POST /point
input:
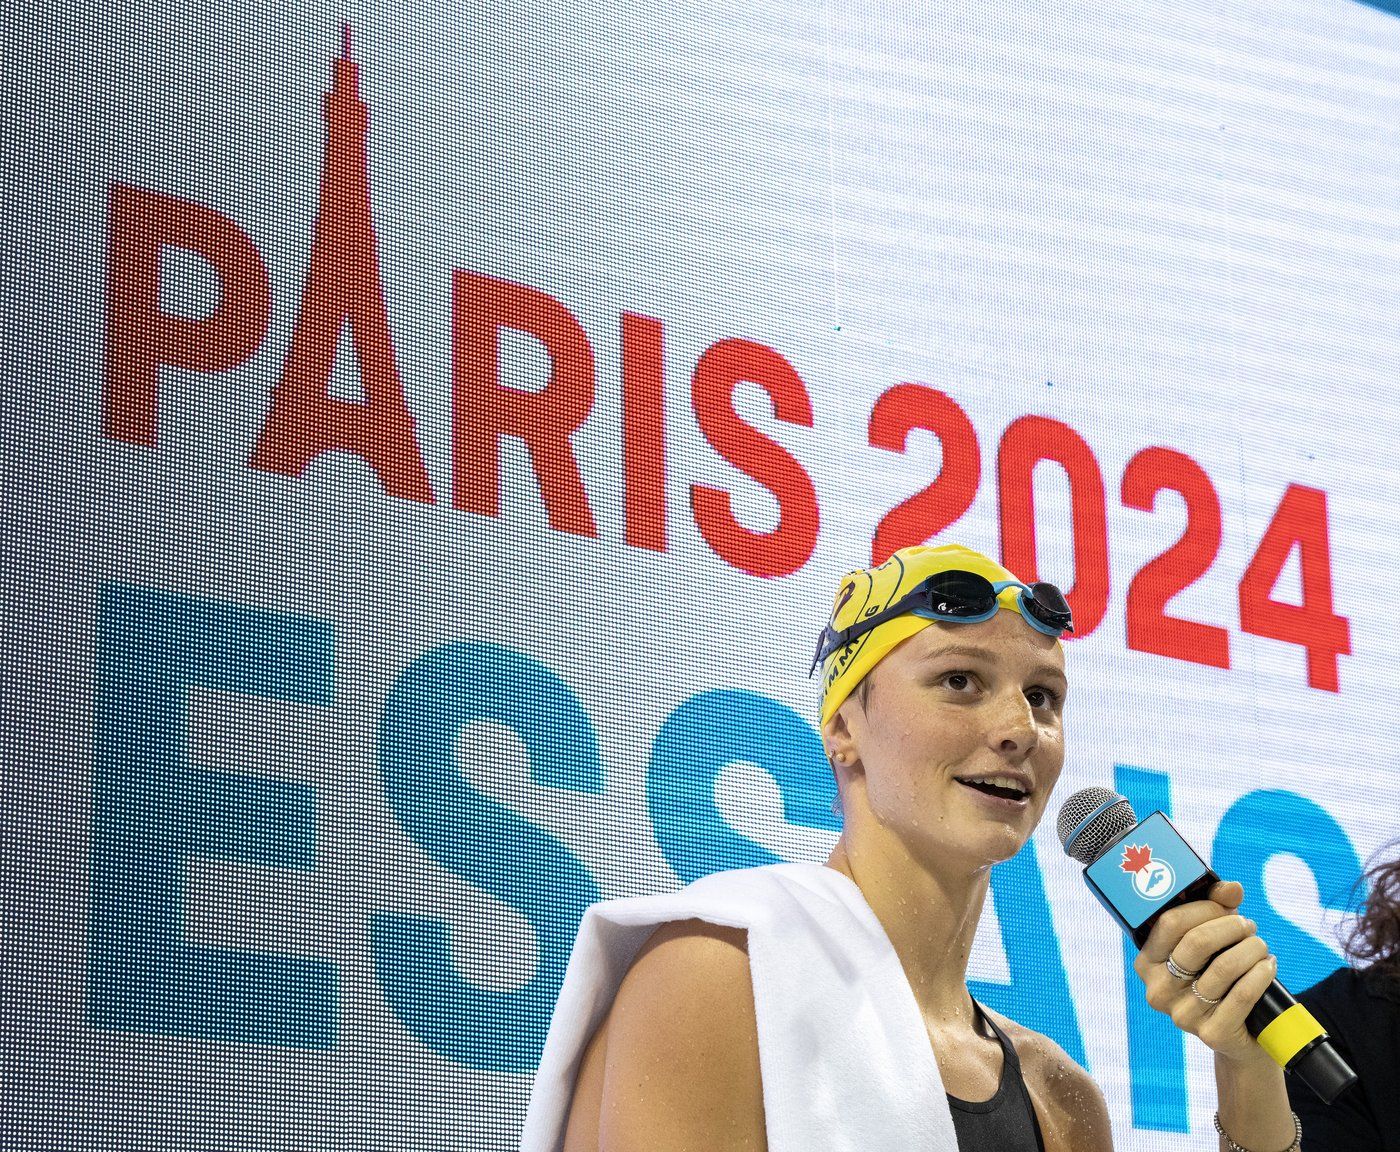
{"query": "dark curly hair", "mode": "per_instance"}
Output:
(1374, 940)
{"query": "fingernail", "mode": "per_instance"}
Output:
(1250, 924)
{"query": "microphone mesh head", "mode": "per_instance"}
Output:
(1101, 831)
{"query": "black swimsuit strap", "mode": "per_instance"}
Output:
(1007, 1047)
(1013, 1064)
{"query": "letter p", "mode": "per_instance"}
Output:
(139, 336)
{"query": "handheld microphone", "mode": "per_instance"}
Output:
(1139, 870)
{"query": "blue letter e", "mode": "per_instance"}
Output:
(152, 808)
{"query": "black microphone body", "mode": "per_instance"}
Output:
(1138, 871)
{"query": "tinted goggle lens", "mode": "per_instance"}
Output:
(1048, 605)
(961, 593)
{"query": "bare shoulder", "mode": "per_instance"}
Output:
(1068, 1103)
(690, 965)
(681, 1067)
(696, 938)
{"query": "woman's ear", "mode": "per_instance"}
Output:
(838, 740)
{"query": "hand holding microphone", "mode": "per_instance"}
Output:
(1202, 964)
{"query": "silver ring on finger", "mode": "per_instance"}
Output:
(1203, 999)
(1179, 972)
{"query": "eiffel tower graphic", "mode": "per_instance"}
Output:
(343, 286)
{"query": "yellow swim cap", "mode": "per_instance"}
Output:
(866, 591)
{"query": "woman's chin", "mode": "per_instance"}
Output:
(998, 848)
(969, 849)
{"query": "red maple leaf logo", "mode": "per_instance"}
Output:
(1136, 857)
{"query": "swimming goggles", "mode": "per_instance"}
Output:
(964, 597)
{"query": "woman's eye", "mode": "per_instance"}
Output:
(1048, 699)
(956, 680)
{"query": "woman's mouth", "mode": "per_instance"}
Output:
(1003, 791)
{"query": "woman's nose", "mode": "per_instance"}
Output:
(1014, 732)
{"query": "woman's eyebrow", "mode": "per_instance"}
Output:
(1048, 671)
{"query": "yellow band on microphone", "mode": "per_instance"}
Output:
(1290, 1032)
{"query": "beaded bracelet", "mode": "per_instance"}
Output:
(1297, 1135)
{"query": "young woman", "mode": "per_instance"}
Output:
(942, 715)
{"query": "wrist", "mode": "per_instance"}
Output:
(1247, 1079)
(1253, 1101)
(1250, 1060)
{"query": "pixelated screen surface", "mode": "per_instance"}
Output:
(443, 433)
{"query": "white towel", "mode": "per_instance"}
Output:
(845, 1058)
